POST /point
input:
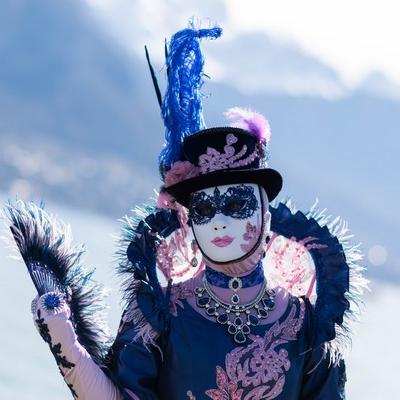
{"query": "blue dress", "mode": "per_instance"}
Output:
(197, 360)
(183, 355)
(166, 349)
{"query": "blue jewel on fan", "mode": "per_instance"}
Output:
(221, 280)
(52, 301)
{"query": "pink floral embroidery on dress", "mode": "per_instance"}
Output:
(213, 160)
(258, 371)
(178, 292)
(227, 390)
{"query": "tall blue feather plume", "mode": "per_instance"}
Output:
(182, 109)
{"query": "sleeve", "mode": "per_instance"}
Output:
(85, 379)
(133, 364)
(134, 360)
(322, 380)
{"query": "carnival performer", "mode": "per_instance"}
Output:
(227, 296)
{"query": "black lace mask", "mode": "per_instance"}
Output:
(237, 202)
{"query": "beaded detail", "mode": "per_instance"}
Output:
(34, 305)
(52, 302)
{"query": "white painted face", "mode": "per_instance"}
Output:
(227, 220)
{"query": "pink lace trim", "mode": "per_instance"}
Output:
(290, 264)
(213, 160)
(175, 254)
(258, 371)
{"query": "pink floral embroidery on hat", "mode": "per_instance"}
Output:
(180, 171)
(213, 160)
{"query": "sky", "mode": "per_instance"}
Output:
(355, 37)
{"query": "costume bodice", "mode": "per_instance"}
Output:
(200, 360)
(209, 364)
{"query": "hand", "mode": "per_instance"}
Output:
(52, 318)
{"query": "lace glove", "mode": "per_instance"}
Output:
(85, 379)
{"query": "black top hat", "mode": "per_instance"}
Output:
(221, 156)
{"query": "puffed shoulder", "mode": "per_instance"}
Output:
(146, 304)
(146, 316)
(330, 280)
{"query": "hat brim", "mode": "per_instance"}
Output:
(268, 178)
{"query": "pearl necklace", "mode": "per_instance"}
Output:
(239, 318)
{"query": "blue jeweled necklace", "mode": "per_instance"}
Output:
(235, 283)
(238, 318)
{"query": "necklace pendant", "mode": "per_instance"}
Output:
(269, 303)
(235, 298)
(203, 301)
(235, 283)
(239, 337)
(239, 319)
(232, 329)
(223, 319)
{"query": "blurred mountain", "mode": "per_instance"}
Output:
(61, 77)
(79, 122)
(378, 84)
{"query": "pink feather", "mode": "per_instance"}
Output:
(249, 120)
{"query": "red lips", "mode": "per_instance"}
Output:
(223, 241)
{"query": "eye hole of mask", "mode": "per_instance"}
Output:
(204, 210)
(235, 205)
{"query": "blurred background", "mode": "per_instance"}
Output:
(80, 129)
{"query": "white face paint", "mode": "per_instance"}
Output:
(227, 220)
